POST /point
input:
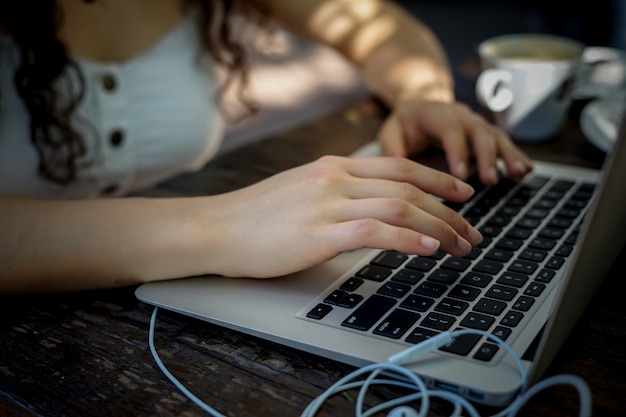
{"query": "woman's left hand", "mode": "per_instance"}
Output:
(417, 123)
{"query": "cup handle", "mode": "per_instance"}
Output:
(492, 89)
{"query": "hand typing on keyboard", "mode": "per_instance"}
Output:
(416, 124)
(338, 204)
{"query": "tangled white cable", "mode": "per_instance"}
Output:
(393, 374)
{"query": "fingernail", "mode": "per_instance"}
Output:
(463, 245)
(429, 242)
(464, 188)
(493, 175)
(519, 168)
(461, 170)
(475, 236)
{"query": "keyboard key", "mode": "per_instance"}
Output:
(419, 334)
(369, 312)
(568, 213)
(555, 262)
(512, 318)
(564, 251)
(511, 242)
(534, 255)
(501, 292)
(551, 233)
(490, 230)
(417, 302)
(473, 253)
(431, 289)
(374, 273)
(390, 259)
(489, 306)
(554, 194)
(396, 323)
(523, 303)
(488, 267)
(576, 204)
(461, 345)
(394, 289)
(528, 223)
(523, 267)
(437, 255)
(518, 233)
(562, 185)
(499, 220)
(456, 264)
(485, 352)
(499, 255)
(545, 275)
(408, 276)
(537, 213)
(443, 276)
(542, 243)
(350, 301)
(534, 289)
(451, 306)
(319, 311)
(438, 321)
(509, 210)
(421, 263)
(536, 183)
(335, 297)
(513, 279)
(485, 242)
(476, 279)
(502, 332)
(351, 284)
(463, 292)
(547, 204)
(559, 222)
(477, 321)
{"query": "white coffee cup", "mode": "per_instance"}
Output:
(527, 82)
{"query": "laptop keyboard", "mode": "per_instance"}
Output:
(529, 228)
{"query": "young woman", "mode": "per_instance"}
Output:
(102, 98)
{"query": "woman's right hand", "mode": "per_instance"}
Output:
(312, 213)
(286, 223)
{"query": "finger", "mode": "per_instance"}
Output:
(517, 163)
(392, 139)
(431, 218)
(403, 170)
(387, 200)
(373, 233)
(485, 146)
(454, 145)
(447, 126)
(491, 143)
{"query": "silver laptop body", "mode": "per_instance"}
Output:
(276, 309)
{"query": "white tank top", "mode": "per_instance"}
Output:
(155, 116)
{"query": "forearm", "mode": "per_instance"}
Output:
(397, 54)
(406, 61)
(72, 245)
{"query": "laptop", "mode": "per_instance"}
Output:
(549, 241)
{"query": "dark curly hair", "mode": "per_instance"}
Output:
(44, 59)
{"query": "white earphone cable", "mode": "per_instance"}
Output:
(393, 374)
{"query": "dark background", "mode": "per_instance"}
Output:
(462, 24)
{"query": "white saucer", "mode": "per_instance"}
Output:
(601, 118)
(603, 71)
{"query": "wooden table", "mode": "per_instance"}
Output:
(86, 354)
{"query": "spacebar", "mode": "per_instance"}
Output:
(369, 312)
